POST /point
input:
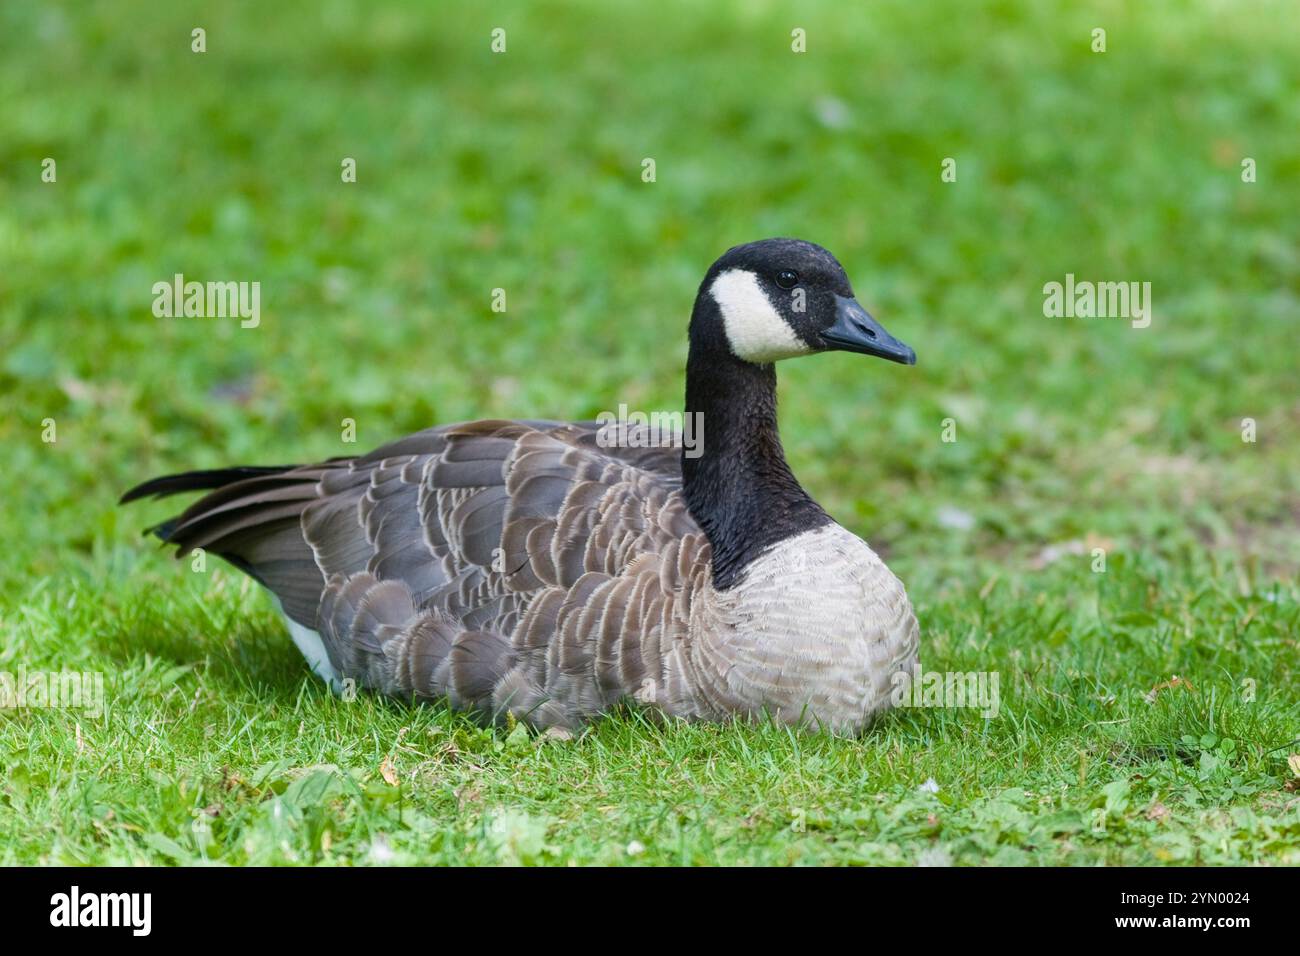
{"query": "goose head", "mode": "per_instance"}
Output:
(780, 298)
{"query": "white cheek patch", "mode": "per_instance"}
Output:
(755, 330)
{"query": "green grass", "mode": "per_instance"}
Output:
(522, 171)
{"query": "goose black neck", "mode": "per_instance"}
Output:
(739, 489)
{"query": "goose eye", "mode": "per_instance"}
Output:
(787, 279)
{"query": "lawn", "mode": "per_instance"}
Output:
(1098, 534)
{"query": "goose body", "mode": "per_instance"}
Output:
(552, 570)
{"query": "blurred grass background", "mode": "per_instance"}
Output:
(522, 171)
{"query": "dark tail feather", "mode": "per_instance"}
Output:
(163, 530)
(251, 517)
(198, 481)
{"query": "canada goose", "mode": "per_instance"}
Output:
(551, 569)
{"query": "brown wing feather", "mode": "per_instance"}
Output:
(505, 564)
